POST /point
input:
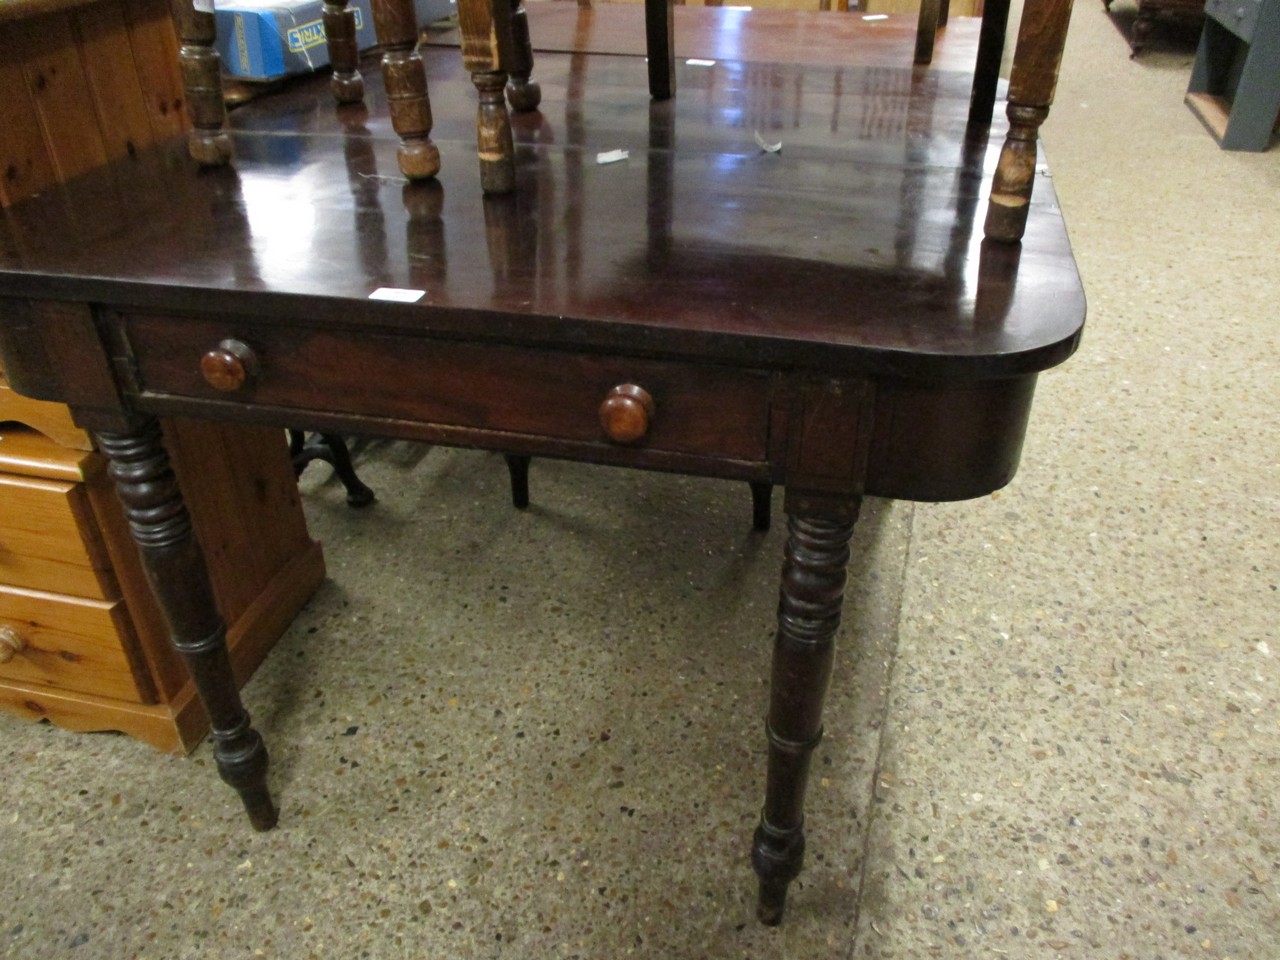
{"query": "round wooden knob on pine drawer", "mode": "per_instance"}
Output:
(230, 366)
(11, 643)
(626, 412)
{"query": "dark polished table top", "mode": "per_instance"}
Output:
(857, 248)
(825, 317)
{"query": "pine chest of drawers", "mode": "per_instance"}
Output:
(82, 643)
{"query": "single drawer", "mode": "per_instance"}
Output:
(697, 409)
(1238, 16)
(66, 642)
(49, 540)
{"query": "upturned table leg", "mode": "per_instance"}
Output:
(813, 576)
(1042, 34)
(405, 77)
(486, 53)
(175, 567)
(201, 69)
(344, 51)
(523, 92)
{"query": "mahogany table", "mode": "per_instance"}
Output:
(824, 317)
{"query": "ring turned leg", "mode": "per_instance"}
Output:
(523, 92)
(201, 68)
(813, 576)
(344, 51)
(486, 54)
(1042, 35)
(405, 77)
(176, 570)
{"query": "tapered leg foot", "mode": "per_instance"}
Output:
(518, 468)
(523, 92)
(761, 504)
(813, 576)
(175, 568)
(777, 857)
(493, 134)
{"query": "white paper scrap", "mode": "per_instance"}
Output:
(397, 295)
(699, 63)
(203, 6)
(766, 146)
(612, 156)
(876, 16)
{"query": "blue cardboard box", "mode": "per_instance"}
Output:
(266, 39)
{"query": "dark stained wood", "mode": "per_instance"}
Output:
(344, 51)
(825, 318)
(518, 469)
(1041, 38)
(986, 70)
(659, 26)
(927, 30)
(176, 569)
(523, 91)
(813, 577)
(406, 85)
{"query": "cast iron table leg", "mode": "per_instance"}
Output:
(175, 567)
(813, 576)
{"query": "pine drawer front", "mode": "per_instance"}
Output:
(48, 539)
(68, 642)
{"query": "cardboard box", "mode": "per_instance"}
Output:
(267, 39)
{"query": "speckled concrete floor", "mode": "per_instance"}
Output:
(1058, 737)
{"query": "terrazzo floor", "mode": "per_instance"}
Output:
(1057, 733)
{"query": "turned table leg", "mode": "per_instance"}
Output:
(344, 51)
(486, 52)
(202, 82)
(813, 576)
(405, 77)
(659, 26)
(175, 567)
(1041, 37)
(523, 92)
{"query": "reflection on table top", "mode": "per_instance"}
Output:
(856, 247)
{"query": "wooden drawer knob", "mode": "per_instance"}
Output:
(11, 643)
(626, 412)
(230, 366)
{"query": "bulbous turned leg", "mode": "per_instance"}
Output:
(813, 577)
(406, 81)
(493, 134)
(1042, 34)
(1015, 175)
(175, 568)
(201, 70)
(344, 52)
(523, 92)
